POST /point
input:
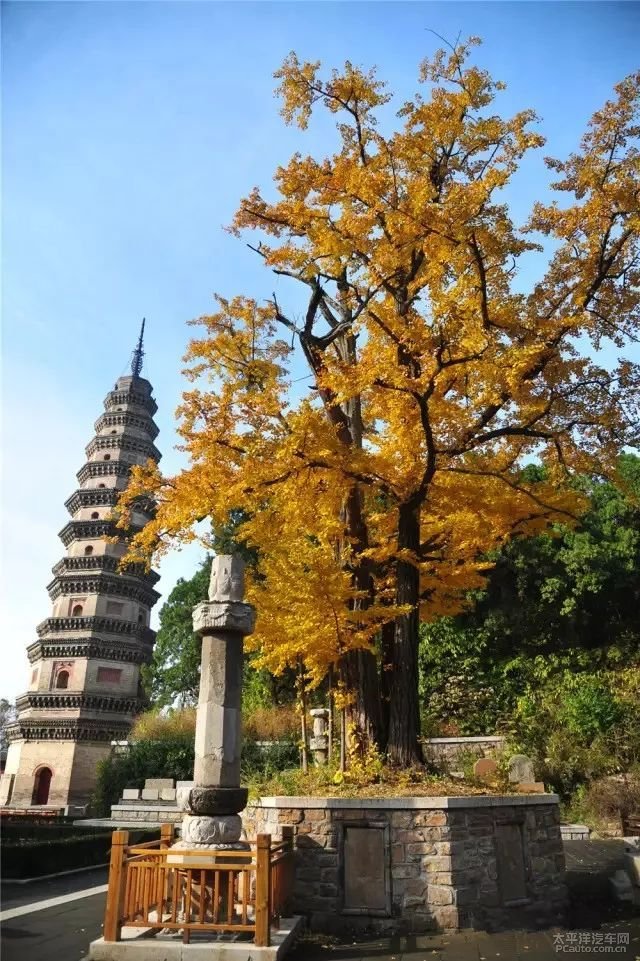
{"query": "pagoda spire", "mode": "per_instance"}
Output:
(138, 354)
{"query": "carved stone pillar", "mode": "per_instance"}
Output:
(212, 806)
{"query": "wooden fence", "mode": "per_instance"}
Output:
(207, 890)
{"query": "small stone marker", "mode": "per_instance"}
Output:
(150, 794)
(319, 743)
(521, 769)
(168, 794)
(159, 782)
(131, 794)
(485, 767)
(530, 787)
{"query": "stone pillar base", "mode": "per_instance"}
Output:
(211, 829)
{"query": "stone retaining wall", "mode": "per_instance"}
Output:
(419, 864)
(446, 751)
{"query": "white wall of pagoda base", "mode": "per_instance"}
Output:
(73, 765)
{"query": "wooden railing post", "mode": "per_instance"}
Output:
(263, 890)
(115, 892)
(166, 835)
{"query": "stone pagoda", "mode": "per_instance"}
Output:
(84, 689)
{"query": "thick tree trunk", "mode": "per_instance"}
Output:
(358, 669)
(404, 714)
(386, 658)
(359, 674)
(330, 727)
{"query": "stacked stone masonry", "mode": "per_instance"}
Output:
(446, 863)
(448, 752)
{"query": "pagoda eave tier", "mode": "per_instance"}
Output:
(68, 729)
(129, 395)
(93, 530)
(78, 701)
(92, 497)
(104, 497)
(105, 562)
(114, 585)
(126, 419)
(95, 624)
(93, 647)
(124, 442)
(103, 468)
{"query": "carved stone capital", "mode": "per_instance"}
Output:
(212, 617)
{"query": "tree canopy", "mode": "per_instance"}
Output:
(580, 587)
(564, 601)
(373, 497)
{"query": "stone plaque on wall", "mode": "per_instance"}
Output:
(366, 869)
(511, 866)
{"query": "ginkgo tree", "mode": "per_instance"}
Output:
(373, 499)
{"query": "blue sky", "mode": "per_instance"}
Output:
(130, 132)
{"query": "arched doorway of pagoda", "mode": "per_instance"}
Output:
(41, 785)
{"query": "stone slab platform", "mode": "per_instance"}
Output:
(124, 824)
(143, 811)
(138, 946)
(575, 832)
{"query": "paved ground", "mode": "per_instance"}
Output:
(63, 931)
(58, 933)
(16, 895)
(472, 946)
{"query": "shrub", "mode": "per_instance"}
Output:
(268, 758)
(590, 708)
(162, 745)
(578, 727)
(614, 798)
(168, 757)
(171, 726)
(271, 723)
(28, 857)
(26, 831)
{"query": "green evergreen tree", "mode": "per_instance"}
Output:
(173, 676)
(174, 672)
(553, 603)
